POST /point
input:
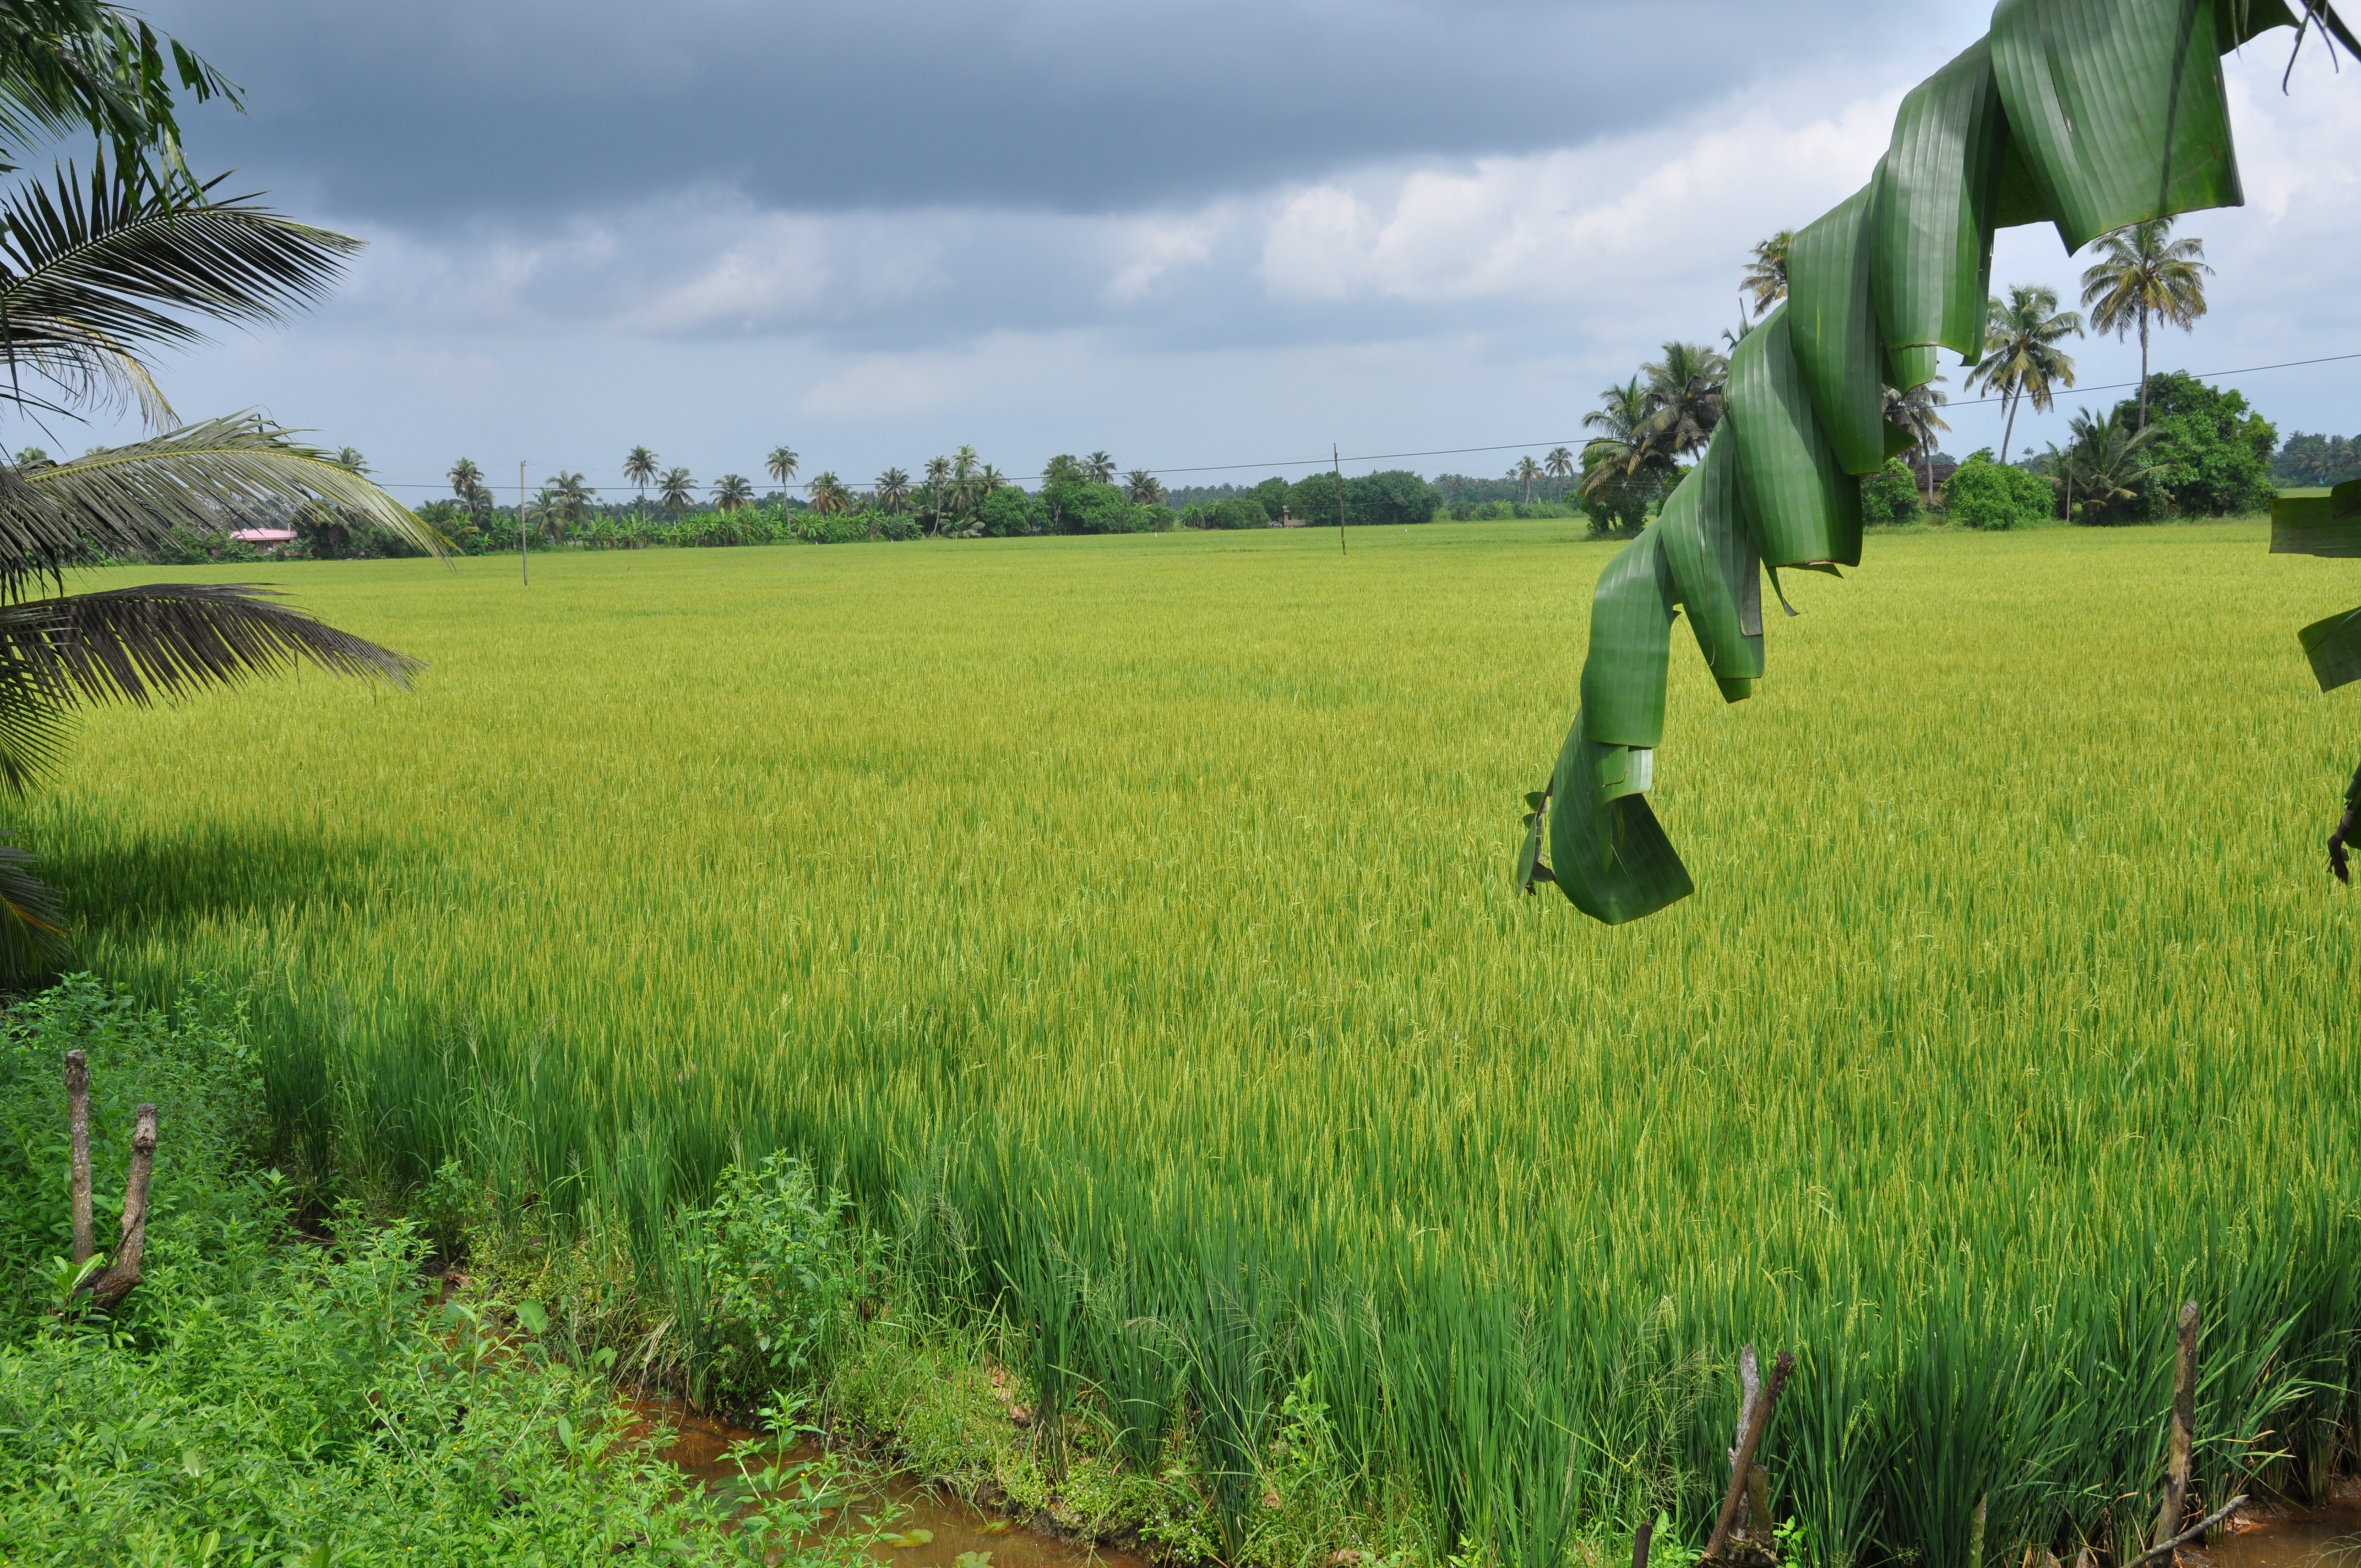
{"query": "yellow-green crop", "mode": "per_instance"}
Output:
(1123, 918)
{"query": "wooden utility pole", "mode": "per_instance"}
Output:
(1339, 462)
(524, 561)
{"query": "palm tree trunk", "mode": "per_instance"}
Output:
(2143, 417)
(2009, 429)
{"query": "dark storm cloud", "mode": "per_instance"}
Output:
(434, 109)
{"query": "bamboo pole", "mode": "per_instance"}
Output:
(78, 1141)
(1976, 1533)
(2175, 1507)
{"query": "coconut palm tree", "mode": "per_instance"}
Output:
(781, 463)
(989, 479)
(828, 494)
(2022, 361)
(640, 469)
(1142, 487)
(1100, 468)
(1914, 412)
(1559, 464)
(465, 480)
(935, 490)
(1685, 391)
(676, 492)
(731, 491)
(892, 489)
(1765, 278)
(1630, 458)
(1525, 473)
(2144, 274)
(2104, 464)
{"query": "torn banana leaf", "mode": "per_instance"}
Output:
(2318, 523)
(1609, 856)
(1717, 573)
(1630, 644)
(1804, 505)
(1937, 192)
(1833, 327)
(2333, 646)
(2118, 108)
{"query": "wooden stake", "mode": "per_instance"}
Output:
(1757, 1422)
(117, 1282)
(1750, 1384)
(78, 1142)
(2184, 1420)
(1976, 1533)
(524, 561)
(2194, 1532)
(1640, 1542)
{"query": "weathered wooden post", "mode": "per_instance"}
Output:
(2175, 1507)
(113, 1285)
(78, 1141)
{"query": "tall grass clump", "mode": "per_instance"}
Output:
(1125, 924)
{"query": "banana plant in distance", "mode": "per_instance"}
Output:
(2086, 114)
(97, 273)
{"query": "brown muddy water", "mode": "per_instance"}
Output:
(2329, 1537)
(942, 1531)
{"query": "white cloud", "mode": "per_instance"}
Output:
(1595, 223)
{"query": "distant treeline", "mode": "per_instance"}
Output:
(2310, 460)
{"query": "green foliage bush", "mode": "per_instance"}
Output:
(1238, 511)
(259, 1399)
(193, 1064)
(1010, 513)
(778, 1269)
(1890, 495)
(2212, 452)
(1082, 506)
(1984, 494)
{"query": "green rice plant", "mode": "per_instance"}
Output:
(1116, 922)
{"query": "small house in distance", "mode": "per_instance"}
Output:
(267, 540)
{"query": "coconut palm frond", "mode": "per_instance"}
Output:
(170, 638)
(34, 725)
(32, 933)
(122, 499)
(93, 273)
(85, 65)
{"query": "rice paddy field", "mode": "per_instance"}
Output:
(1129, 922)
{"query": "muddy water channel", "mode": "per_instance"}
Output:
(2322, 1538)
(933, 1530)
(947, 1532)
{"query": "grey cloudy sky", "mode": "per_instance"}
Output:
(1193, 232)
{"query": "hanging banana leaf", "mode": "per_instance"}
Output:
(1608, 854)
(1937, 194)
(2318, 523)
(1630, 644)
(1805, 509)
(2088, 114)
(1716, 571)
(2120, 107)
(2333, 646)
(1833, 327)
